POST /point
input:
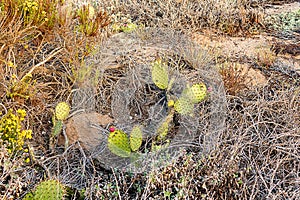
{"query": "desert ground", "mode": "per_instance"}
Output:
(160, 99)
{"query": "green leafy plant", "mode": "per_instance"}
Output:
(47, 190)
(284, 21)
(11, 130)
(121, 145)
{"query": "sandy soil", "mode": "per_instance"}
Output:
(245, 50)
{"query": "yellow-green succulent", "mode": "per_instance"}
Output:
(121, 145)
(62, 111)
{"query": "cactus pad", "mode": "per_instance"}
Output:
(28, 196)
(57, 127)
(118, 143)
(197, 92)
(62, 111)
(160, 75)
(184, 106)
(136, 138)
(49, 190)
(162, 131)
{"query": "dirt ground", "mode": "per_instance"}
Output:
(244, 50)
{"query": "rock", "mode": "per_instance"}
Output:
(79, 128)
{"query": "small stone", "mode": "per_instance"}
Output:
(78, 128)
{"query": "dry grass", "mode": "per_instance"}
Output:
(258, 149)
(234, 77)
(230, 17)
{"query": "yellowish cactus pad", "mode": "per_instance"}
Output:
(163, 129)
(62, 111)
(136, 138)
(118, 143)
(184, 106)
(160, 75)
(197, 92)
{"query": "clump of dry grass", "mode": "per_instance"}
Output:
(234, 77)
(230, 17)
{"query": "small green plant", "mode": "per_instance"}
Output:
(21, 88)
(62, 111)
(39, 13)
(47, 190)
(284, 21)
(90, 20)
(11, 130)
(33, 12)
(122, 23)
(126, 27)
(121, 145)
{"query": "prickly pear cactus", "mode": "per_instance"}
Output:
(163, 129)
(57, 127)
(62, 111)
(136, 138)
(184, 106)
(29, 196)
(158, 66)
(47, 190)
(160, 75)
(118, 143)
(196, 93)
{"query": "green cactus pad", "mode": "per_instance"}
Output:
(118, 143)
(184, 106)
(29, 196)
(49, 190)
(62, 111)
(155, 147)
(163, 129)
(136, 138)
(196, 93)
(160, 75)
(57, 127)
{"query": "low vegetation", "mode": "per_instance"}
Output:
(50, 52)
